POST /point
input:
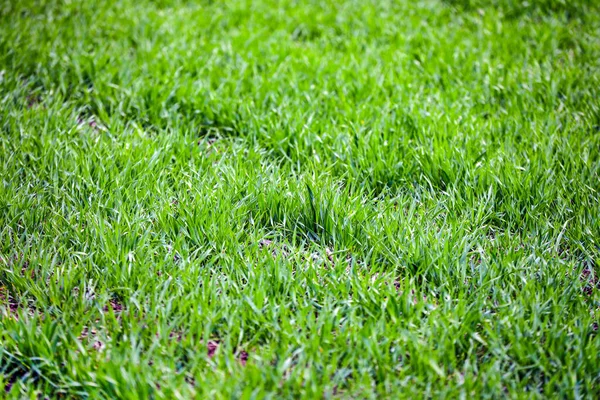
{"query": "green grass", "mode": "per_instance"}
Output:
(249, 199)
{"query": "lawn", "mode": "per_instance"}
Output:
(300, 199)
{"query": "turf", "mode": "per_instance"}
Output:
(300, 199)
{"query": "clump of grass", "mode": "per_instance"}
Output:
(342, 199)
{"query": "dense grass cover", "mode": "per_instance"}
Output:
(300, 198)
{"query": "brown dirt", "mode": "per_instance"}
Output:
(212, 348)
(590, 278)
(114, 305)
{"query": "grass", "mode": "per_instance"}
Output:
(311, 199)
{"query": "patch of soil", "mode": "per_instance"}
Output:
(590, 278)
(11, 381)
(243, 357)
(190, 380)
(8, 300)
(212, 347)
(92, 336)
(177, 335)
(33, 100)
(113, 305)
(90, 121)
(98, 345)
(264, 244)
(85, 332)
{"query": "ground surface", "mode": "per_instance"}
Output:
(299, 199)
